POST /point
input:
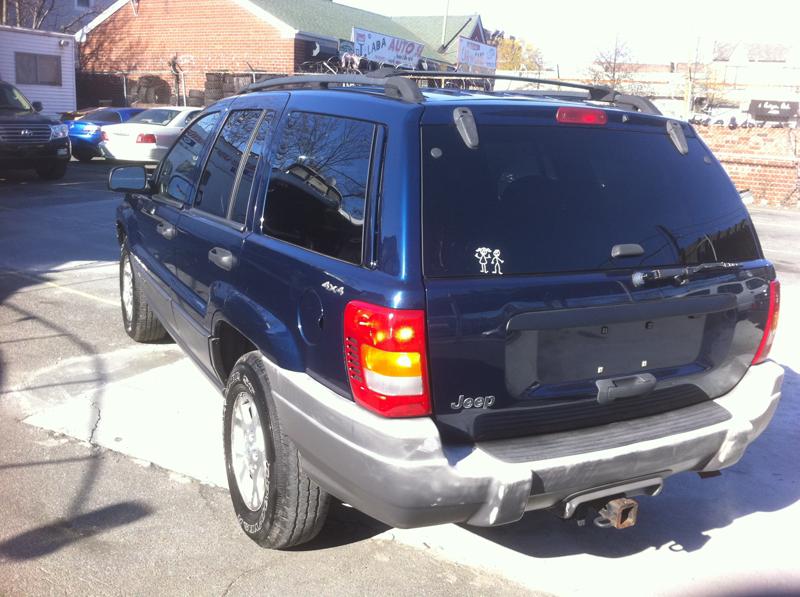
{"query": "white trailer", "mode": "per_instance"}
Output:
(41, 64)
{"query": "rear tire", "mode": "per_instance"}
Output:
(140, 323)
(54, 170)
(277, 505)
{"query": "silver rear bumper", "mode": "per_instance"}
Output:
(400, 472)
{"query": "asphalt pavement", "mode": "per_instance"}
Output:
(111, 477)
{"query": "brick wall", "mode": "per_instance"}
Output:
(765, 161)
(205, 35)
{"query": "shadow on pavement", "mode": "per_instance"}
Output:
(45, 462)
(344, 525)
(766, 479)
(50, 538)
(20, 190)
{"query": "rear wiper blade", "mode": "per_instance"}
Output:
(679, 275)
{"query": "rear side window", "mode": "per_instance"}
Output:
(548, 199)
(318, 184)
(216, 183)
(177, 174)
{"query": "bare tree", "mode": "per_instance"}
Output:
(615, 68)
(33, 14)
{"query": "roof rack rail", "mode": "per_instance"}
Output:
(399, 84)
(597, 93)
(393, 86)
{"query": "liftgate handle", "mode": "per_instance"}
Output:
(609, 390)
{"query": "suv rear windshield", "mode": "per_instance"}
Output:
(547, 199)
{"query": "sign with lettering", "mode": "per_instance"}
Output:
(774, 110)
(475, 57)
(387, 49)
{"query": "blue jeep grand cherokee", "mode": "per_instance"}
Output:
(441, 305)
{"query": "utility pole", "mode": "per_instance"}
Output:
(444, 21)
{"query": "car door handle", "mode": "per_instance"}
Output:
(168, 231)
(222, 258)
(609, 390)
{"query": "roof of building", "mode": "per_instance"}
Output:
(753, 52)
(323, 17)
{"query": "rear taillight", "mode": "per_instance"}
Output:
(592, 116)
(772, 323)
(146, 138)
(386, 359)
(104, 135)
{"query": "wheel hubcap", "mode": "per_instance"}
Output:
(248, 452)
(127, 288)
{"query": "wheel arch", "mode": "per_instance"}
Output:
(242, 326)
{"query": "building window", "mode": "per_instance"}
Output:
(37, 69)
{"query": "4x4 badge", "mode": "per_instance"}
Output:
(486, 257)
(332, 288)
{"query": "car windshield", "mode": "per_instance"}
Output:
(157, 116)
(557, 199)
(12, 99)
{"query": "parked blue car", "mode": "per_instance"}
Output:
(84, 131)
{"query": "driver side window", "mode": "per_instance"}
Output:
(179, 168)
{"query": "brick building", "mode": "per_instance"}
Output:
(765, 161)
(183, 47)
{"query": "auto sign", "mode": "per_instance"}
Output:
(379, 47)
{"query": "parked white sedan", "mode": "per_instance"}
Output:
(147, 136)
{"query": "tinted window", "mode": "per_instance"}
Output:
(101, 116)
(216, 183)
(177, 173)
(557, 199)
(11, 97)
(186, 119)
(318, 185)
(239, 209)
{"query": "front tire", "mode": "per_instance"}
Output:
(277, 505)
(54, 170)
(140, 322)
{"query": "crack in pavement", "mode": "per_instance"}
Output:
(95, 406)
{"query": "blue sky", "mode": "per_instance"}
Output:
(572, 32)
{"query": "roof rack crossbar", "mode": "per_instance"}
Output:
(395, 87)
(594, 90)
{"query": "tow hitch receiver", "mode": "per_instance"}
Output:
(619, 513)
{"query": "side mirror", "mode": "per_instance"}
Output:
(37, 106)
(128, 179)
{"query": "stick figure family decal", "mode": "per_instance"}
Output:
(486, 257)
